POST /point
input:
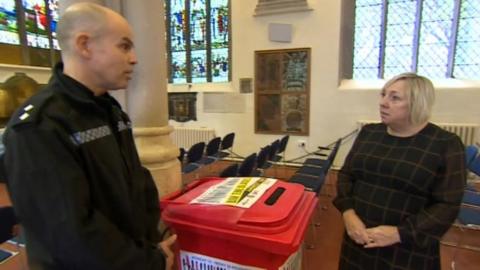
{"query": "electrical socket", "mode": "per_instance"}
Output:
(301, 143)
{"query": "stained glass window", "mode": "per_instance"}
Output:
(8, 22)
(220, 40)
(198, 40)
(435, 38)
(36, 23)
(31, 23)
(54, 16)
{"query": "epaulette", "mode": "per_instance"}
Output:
(24, 115)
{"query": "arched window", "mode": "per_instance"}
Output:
(435, 38)
(27, 32)
(198, 40)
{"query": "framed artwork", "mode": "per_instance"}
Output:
(282, 91)
(182, 106)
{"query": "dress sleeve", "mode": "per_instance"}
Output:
(50, 194)
(343, 201)
(446, 195)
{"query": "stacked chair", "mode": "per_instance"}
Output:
(313, 171)
(203, 155)
(247, 166)
(226, 145)
(262, 161)
(230, 171)
(181, 155)
(312, 175)
(194, 155)
(244, 169)
(474, 164)
(212, 152)
(270, 155)
(471, 152)
(282, 146)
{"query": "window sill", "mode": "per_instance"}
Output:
(201, 87)
(24, 67)
(440, 84)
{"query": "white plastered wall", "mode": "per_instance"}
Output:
(334, 108)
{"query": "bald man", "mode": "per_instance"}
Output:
(73, 172)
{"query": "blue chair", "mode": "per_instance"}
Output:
(230, 171)
(274, 146)
(474, 166)
(194, 154)
(471, 198)
(471, 152)
(312, 183)
(281, 148)
(329, 158)
(262, 161)
(247, 165)
(181, 155)
(211, 153)
(226, 145)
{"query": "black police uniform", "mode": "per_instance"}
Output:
(76, 182)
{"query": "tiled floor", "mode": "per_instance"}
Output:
(327, 237)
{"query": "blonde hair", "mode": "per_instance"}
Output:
(420, 95)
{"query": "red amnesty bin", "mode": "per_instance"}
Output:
(268, 235)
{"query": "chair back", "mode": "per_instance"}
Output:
(283, 144)
(471, 152)
(273, 149)
(263, 156)
(331, 156)
(195, 152)
(334, 152)
(181, 155)
(213, 146)
(474, 166)
(230, 171)
(227, 141)
(247, 166)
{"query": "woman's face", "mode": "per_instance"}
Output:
(394, 105)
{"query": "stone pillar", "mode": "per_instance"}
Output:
(146, 96)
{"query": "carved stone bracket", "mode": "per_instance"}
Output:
(269, 7)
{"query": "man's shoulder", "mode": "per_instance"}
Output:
(36, 108)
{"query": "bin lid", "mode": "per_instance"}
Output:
(276, 210)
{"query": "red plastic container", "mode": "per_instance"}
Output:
(225, 237)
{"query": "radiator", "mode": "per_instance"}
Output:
(187, 136)
(466, 131)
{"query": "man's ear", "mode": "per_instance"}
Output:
(82, 44)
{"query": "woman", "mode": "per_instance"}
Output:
(401, 184)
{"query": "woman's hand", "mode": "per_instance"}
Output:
(166, 248)
(382, 236)
(355, 227)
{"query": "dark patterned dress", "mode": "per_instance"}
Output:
(415, 183)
